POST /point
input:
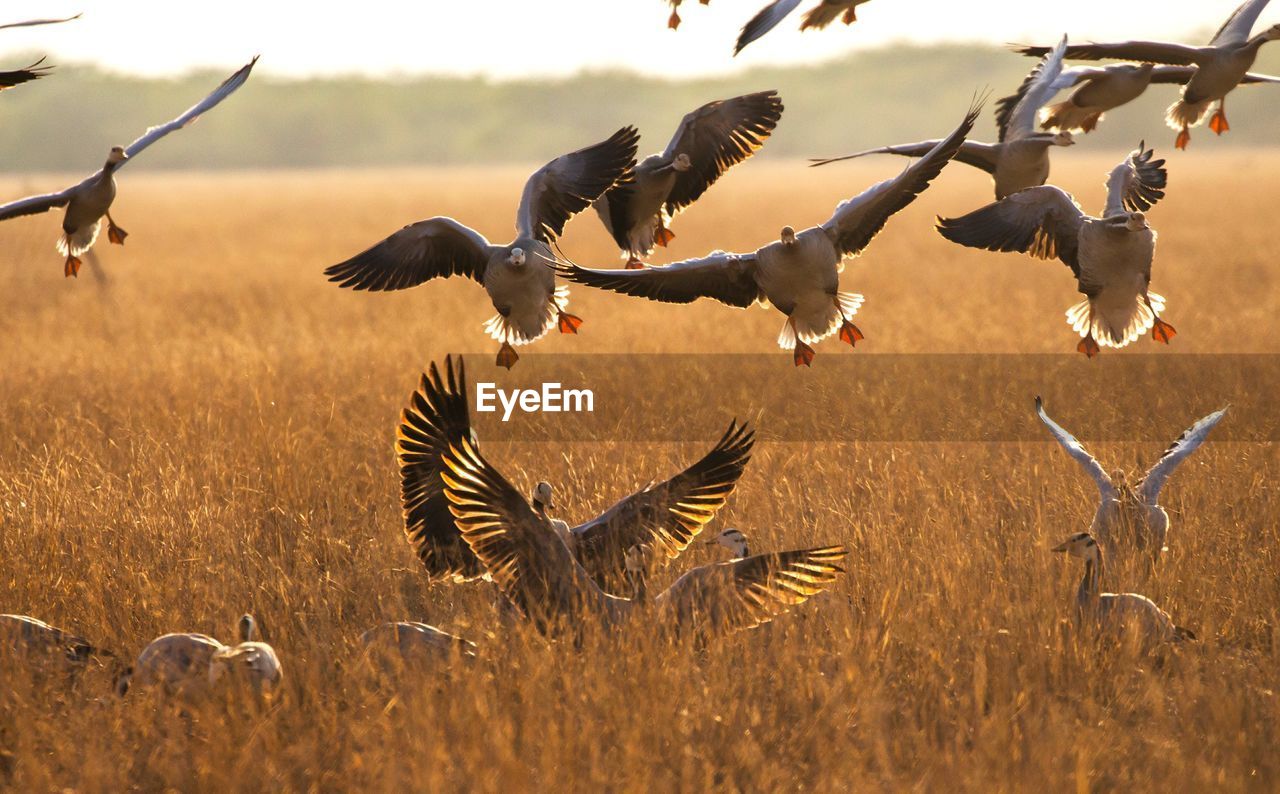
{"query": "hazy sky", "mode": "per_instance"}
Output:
(505, 38)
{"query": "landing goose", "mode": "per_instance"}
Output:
(1117, 615)
(89, 201)
(1020, 157)
(1110, 255)
(413, 644)
(799, 274)
(517, 276)
(638, 210)
(1217, 68)
(540, 576)
(249, 662)
(38, 641)
(1131, 514)
(821, 15)
(36, 70)
(673, 21)
(666, 516)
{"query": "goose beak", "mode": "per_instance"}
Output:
(1060, 547)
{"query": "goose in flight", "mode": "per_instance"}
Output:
(1117, 614)
(37, 640)
(1020, 157)
(517, 276)
(712, 139)
(665, 516)
(799, 274)
(1099, 89)
(89, 201)
(1110, 256)
(821, 15)
(1216, 69)
(8, 79)
(1127, 512)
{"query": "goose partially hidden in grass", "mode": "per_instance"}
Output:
(517, 276)
(1110, 256)
(1116, 615)
(90, 201)
(1130, 514)
(799, 274)
(1217, 67)
(538, 574)
(665, 516)
(190, 664)
(37, 642)
(411, 644)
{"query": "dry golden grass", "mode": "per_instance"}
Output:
(210, 433)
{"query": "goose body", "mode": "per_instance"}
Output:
(798, 274)
(176, 663)
(517, 276)
(1110, 256)
(38, 642)
(250, 662)
(414, 643)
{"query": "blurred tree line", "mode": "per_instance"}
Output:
(890, 95)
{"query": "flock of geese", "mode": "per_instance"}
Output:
(468, 523)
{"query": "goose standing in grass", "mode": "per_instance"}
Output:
(665, 516)
(38, 641)
(413, 644)
(1099, 89)
(821, 15)
(1127, 513)
(1020, 157)
(176, 663)
(638, 210)
(90, 201)
(8, 79)
(517, 276)
(250, 661)
(1217, 68)
(1110, 256)
(1117, 614)
(799, 274)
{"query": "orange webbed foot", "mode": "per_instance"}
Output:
(664, 236)
(1089, 347)
(1163, 332)
(673, 21)
(633, 263)
(507, 356)
(569, 323)
(803, 354)
(1218, 123)
(72, 267)
(1183, 139)
(850, 334)
(851, 16)
(115, 234)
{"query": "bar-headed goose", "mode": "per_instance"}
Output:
(1020, 157)
(1099, 89)
(1117, 615)
(177, 664)
(89, 201)
(8, 79)
(38, 642)
(1110, 256)
(712, 139)
(1217, 68)
(412, 644)
(517, 276)
(665, 516)
(249, 662)
(821, 15)
(1131, 514)
(799, 274)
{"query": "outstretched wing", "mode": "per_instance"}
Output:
(1016, 114)
(857, 221)
(741, 594)
(1076, 450)
(34, 205)
(1181, 75)
(1188, 442)
(19, 76)
(974, 153)
(668, 516)
(570, 183)
(434, 248)
(437, 412)
(1141, 51)
(1041, 221)
(1137, 183)
(226, 89)
(764, 21)
(1235, 31)
(716, 137)
(32, 22)
(728, 278)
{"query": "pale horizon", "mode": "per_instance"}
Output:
(557, 38)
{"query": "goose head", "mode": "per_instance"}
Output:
(516, 258)
(1136, 222)
(733, 540)
(542, 501)
(116, 156)
(1080, 545)
(1063, 138)
(247, 628)
(788, 236)
(682, 163)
